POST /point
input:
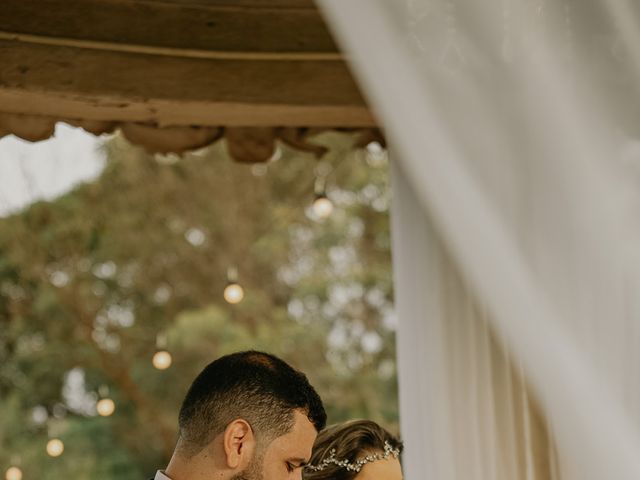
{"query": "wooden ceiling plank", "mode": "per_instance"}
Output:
(233, 28)
(118, 86)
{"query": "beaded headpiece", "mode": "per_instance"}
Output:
(358, 464)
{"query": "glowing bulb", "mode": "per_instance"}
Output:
(55, 447)
(322, 206)
(233, 293)
(162, 360)
(13, 473)
(374, 148)
(105, 407)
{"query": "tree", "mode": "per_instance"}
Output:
(89, 281)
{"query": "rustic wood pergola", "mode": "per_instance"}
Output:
(174, 75)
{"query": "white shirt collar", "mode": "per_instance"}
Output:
(161, 476)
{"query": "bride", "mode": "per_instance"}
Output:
(355, 450)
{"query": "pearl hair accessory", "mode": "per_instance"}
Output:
(358, 464)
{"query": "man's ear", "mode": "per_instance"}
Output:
(239, 443)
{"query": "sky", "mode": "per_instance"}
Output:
(45, 170)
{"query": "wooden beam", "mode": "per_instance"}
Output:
(220, 26)
(176, 63)
(115, 86)
(243, 3)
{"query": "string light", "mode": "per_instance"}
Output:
(374, 148)
(13, 473)
(55, 447)
(162, 360)
(322, 206)
(105, 407)
(233, 292)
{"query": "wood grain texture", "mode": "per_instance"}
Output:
(115, 86)
(221, 26)
(206, 63)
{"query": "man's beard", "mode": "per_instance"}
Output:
(252, 472)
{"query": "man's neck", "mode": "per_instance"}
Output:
(198, 467)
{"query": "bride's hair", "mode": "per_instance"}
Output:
(255, 386)
(340, 450)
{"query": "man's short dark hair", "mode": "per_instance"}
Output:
(254, 386)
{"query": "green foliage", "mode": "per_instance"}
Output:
(88, 281)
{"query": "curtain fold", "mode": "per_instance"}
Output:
(466, 409)
(515, 130)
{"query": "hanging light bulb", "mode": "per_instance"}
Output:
(162, 360)
(374, 148)
(322, 206)
(13, 473)
(55, 447)
(105, 407)
(233, 292)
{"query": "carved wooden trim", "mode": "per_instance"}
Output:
(245, 144)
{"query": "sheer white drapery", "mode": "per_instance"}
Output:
(515, 127)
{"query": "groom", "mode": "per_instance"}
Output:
(247, 416)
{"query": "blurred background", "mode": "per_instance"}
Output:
(114, 273)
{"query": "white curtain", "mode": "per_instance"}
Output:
(515, 129)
